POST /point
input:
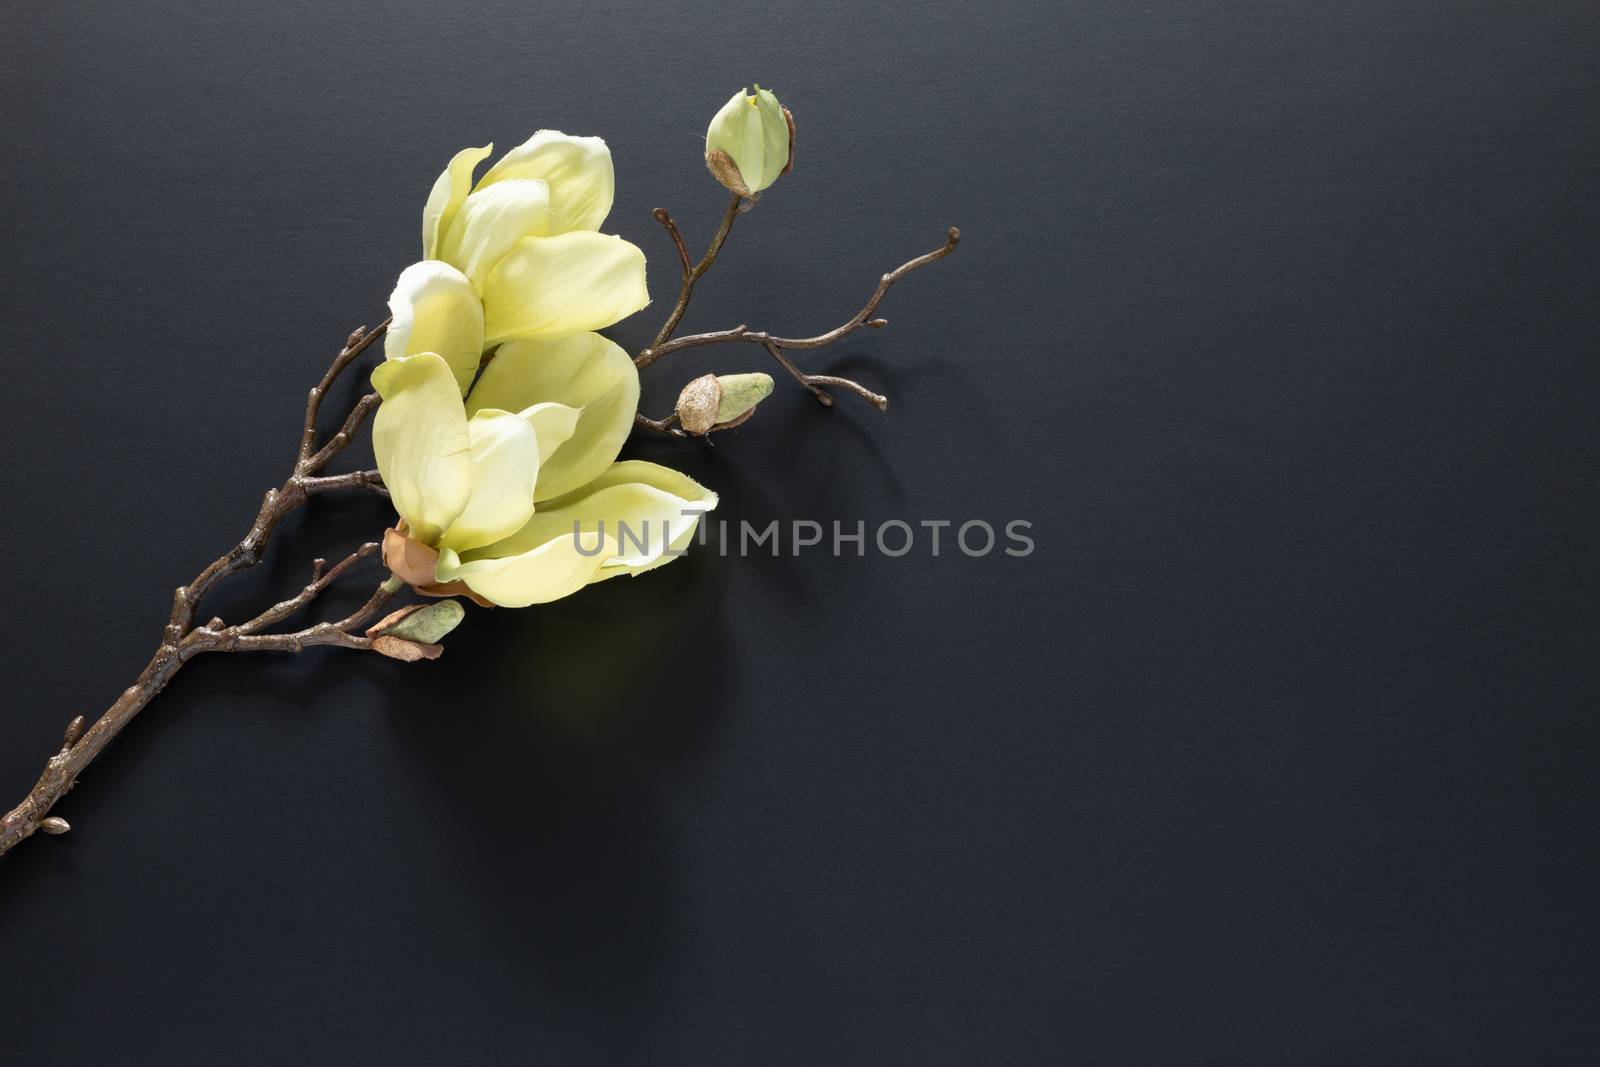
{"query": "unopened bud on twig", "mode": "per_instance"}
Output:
(713, 402)
(55, 824)
(697, 404)
(427, 623)
(750, 142)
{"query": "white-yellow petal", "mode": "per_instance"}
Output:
(679, 529)
(553, 424)
(774, 135)
(545, 572)
(420, 438)
(491, 222)
(434, 308)
(578, 170)
(584, 371)
(448, 193)
(505, 466)
(558, 286)
(647, 509)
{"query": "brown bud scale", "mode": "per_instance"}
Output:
(698, 403)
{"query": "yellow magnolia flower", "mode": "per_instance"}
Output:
(516, 256)
(517, 490)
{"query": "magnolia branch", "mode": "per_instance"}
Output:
(691, 274)
(182, 640)
(775, 346)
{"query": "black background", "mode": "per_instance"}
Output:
(1278, 322)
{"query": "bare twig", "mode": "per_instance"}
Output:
(666, 425)
(345, 633)
(692, 274)
(779, 347)
(294, 492)
(855, 322)
(345, 435)
(353, 347)
(182, 640)
(660, 214)
(811, 381)
(371, 481)
(322, 576)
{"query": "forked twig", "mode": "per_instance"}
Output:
(779, 347)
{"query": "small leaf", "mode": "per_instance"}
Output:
(426, 624)
(405, 651)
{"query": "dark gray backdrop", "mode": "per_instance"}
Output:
(1279, 323)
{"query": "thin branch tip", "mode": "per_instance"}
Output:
(691, 272)
(778, 347)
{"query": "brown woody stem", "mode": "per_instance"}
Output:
(779, 347)
(182, 640)
(666, 425)
(692, 274)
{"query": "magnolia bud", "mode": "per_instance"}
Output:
(750, 142)
(425, 623)
(716, 402)
(697, 404)
(741, 393)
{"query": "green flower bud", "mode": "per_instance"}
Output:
(750, 142)
(423, 623)
(740, 393)
(718, 402)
